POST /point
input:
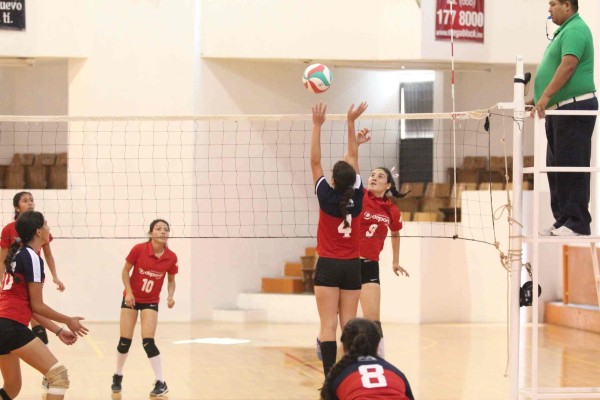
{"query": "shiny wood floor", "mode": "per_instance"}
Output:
(442, 362)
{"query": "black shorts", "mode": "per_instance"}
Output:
(369, 271)
(344, 274)
(141, 306)
(13, 335)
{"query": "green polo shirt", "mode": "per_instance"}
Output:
(574, 38)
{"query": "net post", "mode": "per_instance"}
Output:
(516, 238)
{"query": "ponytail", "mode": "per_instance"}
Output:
(8, 261)
(343, 205)
(344, 177)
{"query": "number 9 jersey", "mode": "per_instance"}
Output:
(148, 272)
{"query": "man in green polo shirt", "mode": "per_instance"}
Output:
(565, 81)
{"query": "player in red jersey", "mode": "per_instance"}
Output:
(378, 215)
(361, 374)
(337, 276)
(143, 275)
(23, 201)
(21, 299)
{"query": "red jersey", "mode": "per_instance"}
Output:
(149, 272)
(378, 214)
(9, 235)
(371, 378)
(14, 297)
(333, 240)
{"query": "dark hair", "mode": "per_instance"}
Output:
(360, 338)
(27, 225)
(390, 179)
(344, 177)
(574, 4)
(17, 199)
(392, 190)
(153, 224)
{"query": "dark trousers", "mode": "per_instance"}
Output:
(570, 145)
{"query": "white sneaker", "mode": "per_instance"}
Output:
(547, 231)
(564, 231)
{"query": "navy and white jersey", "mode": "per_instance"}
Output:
(14, 297)
(333, 239)
(371, 378)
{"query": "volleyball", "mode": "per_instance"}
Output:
(316, 78)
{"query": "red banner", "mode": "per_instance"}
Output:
(466, 18)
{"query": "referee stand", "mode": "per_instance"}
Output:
(517, 388)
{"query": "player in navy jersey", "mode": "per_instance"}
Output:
(23, 201)
(143, 275)
(361, 374)
(337, 275)
(21, 299)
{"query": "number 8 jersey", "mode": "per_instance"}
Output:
(370, 378)
(148, 272)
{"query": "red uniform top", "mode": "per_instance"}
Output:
(371, 378)
(333, 240)
(378, 214)
(14, 297)
(149, 272)
(9, 235)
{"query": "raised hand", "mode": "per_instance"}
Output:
(363, 136)
(319, 111)
(354, 114)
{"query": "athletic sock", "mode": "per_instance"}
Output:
(157, 367)
(121, 358)
(329, 353)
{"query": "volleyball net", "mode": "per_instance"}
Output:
(244, 176)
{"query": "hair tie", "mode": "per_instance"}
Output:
(18, 240)
(395, 176)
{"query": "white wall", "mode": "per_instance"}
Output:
(146, 60)
(333, 30)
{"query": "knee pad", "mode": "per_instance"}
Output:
(58, 379)
(123, 346)
(150, 347)
(3, 395)
(40, 332)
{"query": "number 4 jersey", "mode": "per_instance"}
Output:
(371, 378)
(148, 272)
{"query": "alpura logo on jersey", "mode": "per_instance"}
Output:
(376, 217)
(151, 274)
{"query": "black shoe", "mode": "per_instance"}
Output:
(116, 385)
(160, 388)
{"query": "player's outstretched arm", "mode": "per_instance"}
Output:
(319, 111)
(39, 307)
(66, 336)
(351, 156)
